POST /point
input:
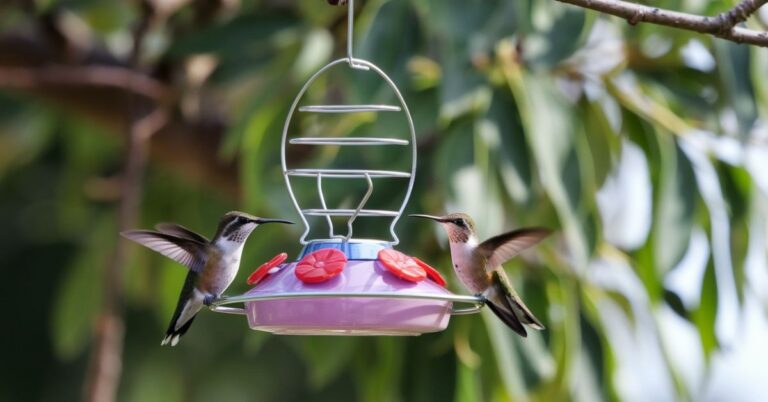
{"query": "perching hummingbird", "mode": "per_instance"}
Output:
(212, 264)
(478, 266)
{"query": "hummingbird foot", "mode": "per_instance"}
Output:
(481, 295)
(208, 300)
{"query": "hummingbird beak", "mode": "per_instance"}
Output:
(434, 218)
(261, 221)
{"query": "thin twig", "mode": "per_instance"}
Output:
(722, 25)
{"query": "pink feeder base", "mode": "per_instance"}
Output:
(335, 315)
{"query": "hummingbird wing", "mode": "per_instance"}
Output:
(184, 251)
(180, 231)
(502, 248)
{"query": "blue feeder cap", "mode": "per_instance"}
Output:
(353, 249)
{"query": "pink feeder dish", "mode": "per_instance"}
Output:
(340, 315)
(365, 298)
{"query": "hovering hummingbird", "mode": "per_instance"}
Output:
(478, 266)
(212, 264)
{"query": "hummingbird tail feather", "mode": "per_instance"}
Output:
(172, 335)
(508, 317)
(525, 315)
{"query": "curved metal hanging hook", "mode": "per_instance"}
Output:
(350, 37)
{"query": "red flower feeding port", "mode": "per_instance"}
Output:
(402, 265)
(342, 285)
(266, 268)
(321, 265)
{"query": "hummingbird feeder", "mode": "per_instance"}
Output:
(341, 284)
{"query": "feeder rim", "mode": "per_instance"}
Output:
(220, 305)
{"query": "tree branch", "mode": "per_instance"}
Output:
(105, 367)
(120, 78)
(104, 93)
(723, 25)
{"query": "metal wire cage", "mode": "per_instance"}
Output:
(369, 175)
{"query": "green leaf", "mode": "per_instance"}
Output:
(513, 158)
(388, 48)
(591, 297)
(734, 69)
(675, 205)
(604, 141)
(704, 317)
(462, 22)
(566, 29)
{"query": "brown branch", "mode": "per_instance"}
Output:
(105, 367)
(740, 12)
(103, 94)
(97, 76)
(722, 25)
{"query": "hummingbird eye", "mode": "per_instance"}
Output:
(460, 223)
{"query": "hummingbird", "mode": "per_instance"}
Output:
(479, 266)
(213, 264)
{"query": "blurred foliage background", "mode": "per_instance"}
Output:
(644, 147)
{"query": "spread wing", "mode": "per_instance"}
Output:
(500, 249)
(184, 251)
(180, 231)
